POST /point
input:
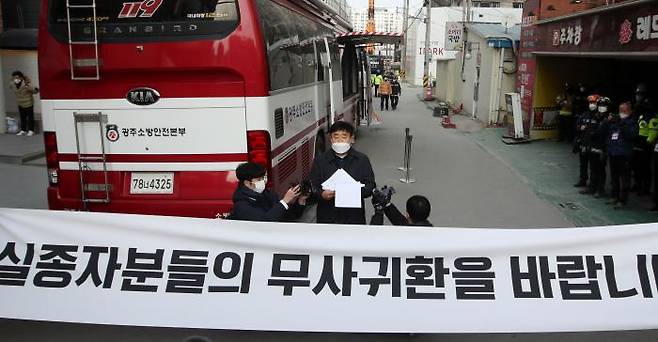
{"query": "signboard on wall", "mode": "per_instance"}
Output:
(627, 29)
(525, 77)
(454, 35)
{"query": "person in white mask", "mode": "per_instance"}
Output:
(24, 91)
(622, 132)
(253, 202)
(341, 156)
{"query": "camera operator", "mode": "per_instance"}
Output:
(418, 209)
(252, 202)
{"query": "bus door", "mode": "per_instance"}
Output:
(329, 81)
(365, 88)
(323, 96)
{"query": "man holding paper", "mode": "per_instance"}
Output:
(345, 177)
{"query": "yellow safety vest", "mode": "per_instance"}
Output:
(652, 130)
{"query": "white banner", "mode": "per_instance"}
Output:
(197, 273)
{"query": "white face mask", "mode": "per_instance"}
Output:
(603, 109)
(259, 186)
(624, 115)
(341, 148)
(592, 106)
(17, 81)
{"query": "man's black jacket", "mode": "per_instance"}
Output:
(248, 205)
(396, 218)
(357, 165)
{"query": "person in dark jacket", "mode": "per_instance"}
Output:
(396, 92)
(594, 140)
(252, 202)
(622, 132)
(418, 210)
(356, 164)
(581, 146)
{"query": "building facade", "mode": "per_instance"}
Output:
(489, 71)
(609, 48)
(18, 47)
(386, 19)
(415, 49)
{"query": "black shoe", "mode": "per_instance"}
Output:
(619, 205)
(600, 195)
(587, 192)
(611, 202)
(580, 184)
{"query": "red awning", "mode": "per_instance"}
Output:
(361, 37)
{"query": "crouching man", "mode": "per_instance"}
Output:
(418, 209)
(252, 202)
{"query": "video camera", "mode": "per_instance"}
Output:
(306, 188)
(382, 197)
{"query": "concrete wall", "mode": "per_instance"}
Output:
(448, 81)
(26, 62)
(457, 91)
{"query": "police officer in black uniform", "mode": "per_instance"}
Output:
(594, 141)
(581, 144)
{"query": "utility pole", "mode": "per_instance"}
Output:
(428, 54)
(403, 50)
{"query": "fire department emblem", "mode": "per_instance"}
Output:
(112, 132)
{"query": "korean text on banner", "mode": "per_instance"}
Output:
(198, 273)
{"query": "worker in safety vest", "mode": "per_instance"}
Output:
(378, 80)
(643, 148)
(565, 116)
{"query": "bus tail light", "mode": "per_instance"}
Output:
(259, 151)
(52, 161)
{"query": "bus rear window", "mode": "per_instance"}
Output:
(147, 20)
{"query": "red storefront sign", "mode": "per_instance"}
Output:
(632, 28)
(525, 77)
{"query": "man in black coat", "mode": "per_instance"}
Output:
(356, 164)
(252, 202)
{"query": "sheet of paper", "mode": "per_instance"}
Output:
(348, 195)
(340, 176)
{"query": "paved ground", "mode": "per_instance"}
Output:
(467, 185)
(18, 149)
(472, 180)
(550, 169)
(24, 186)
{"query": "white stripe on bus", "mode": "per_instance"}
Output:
(153, 166)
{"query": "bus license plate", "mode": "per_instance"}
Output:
(152, 183)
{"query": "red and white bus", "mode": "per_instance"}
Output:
(149, 106)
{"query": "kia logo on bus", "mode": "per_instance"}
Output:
(143, 96)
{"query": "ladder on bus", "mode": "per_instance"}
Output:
(85, 158)
(74, 44)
